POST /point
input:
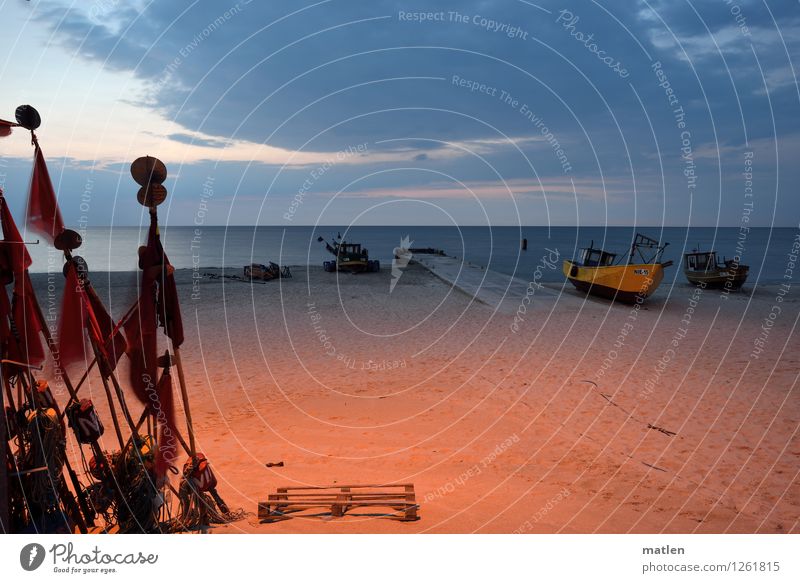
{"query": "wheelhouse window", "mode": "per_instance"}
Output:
(701, 261)
(597, 258)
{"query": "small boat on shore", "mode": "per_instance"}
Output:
(704, 268)
(266, 272)
(599, 273)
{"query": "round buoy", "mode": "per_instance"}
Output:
(28, 117)
(152, 195)
(148, 170)
(67, 240)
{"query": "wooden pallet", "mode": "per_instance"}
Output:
(338, 500)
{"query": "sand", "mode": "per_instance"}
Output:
(498, 429)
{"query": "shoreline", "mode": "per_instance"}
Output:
(550, 284)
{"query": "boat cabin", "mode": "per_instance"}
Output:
(591, 257)
(701, 261)
(350, 249)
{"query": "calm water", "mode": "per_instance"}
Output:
(498, 248)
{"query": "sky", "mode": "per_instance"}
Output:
(339, 112)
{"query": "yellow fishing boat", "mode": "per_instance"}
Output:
(598, 272)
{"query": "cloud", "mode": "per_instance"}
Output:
(210, 142)
(551, 188)
(255, 87)
(777, 79)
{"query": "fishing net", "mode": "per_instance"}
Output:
(138, 498)
(43, 461)
(199, 509)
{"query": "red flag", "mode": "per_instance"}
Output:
(71, 339)
(170, 308)
(140, 331)
(5, 128)
(5, 314)
(157, 305)
(7, 341)
(164, 409)
(27, 346)
(18, 258)
(44, 216)
(141, 327)
(25, 311)
(6, 276)
(111, 338)
(154, 263)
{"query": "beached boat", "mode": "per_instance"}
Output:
(599, 273)
(350, 257)
(704, 268)
(266, 272)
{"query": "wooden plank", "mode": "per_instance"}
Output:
(337, 486)
(335, 495)
(344, 502)
(339, 499)
(340, 504)
(411, 497)
(326, 503)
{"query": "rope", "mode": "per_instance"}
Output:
(138, 498)
(198, 509)
(47, 448)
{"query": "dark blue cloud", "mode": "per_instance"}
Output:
(328, 75)
(198, 141)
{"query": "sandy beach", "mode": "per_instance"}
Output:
(584, 417)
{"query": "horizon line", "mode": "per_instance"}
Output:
(341, 225)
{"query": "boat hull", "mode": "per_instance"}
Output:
(624, 283)
(719, 279)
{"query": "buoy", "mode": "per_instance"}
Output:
(199, 470)
(84, 420)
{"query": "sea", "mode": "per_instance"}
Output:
(771, 253)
